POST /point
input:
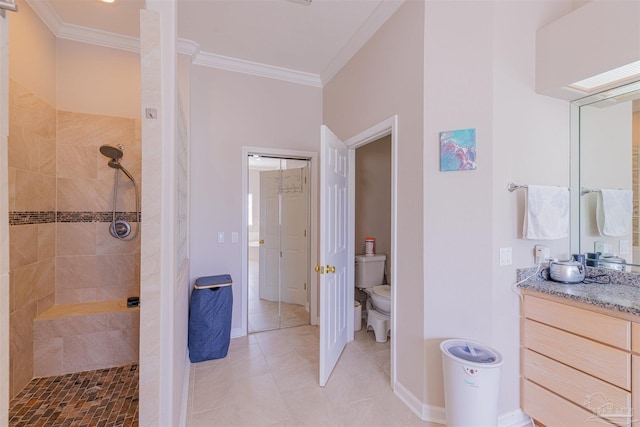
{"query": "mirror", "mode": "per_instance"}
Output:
(606, 156)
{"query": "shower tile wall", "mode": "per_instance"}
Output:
(32, 197)
(91, 265)
(56, 173)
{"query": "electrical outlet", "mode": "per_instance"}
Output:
(542, 254)
(506, 257)
(602, 247)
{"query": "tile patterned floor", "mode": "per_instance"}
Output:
(103, 398)
(271, 379)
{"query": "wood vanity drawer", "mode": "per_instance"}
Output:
(635, 337)
(552, 410)
(576, 386)
(596, 326)
(601, 361)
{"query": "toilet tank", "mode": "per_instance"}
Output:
(369, 270)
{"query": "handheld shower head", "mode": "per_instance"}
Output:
(115, 164)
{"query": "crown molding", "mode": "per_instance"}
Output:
(256, 69)
(62, 30)
(45, 12)
(377, 18)
(188, 47)
(99, 37)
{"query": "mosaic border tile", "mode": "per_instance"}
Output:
(94, 216)
(31, 217)
(48, 217)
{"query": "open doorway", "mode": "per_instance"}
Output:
(373, 224)
(278, 243)
(384, 134)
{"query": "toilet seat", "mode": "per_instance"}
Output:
(383, 291)
(381, 298)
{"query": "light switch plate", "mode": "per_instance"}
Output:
(234, 237)
(506, 256)
(625, 249)
(220, 236)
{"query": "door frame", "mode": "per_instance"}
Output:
(313, 228)
(380, 130)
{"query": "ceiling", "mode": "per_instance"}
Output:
(317, 39)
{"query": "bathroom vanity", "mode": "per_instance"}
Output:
(580, 352)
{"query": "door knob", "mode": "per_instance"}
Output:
(261, 241)
(331, 269)
(319, 269)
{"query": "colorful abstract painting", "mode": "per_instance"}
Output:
(458, 150)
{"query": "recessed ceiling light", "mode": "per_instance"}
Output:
(612, 76)
(305, 2)
(109, 2)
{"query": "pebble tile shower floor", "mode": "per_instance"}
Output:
(103, 398)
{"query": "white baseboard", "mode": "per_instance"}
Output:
(425, 412)
(237, 333)
(515, 418)
(438, 414)
(184, 408)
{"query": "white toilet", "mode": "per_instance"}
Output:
(370, 278)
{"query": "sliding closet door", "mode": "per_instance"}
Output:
(278, 244)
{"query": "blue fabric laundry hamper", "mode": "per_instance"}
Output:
(210, 318)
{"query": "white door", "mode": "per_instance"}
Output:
(333, 252)
(293, 271)
(269, 260)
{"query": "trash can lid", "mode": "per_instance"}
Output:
(471, 351)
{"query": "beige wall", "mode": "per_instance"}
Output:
(458, 205)
(467, 216)
(32, 54)
(570, 50)
(385, 78)
(530, 135)
(228, 111)
(373, 196)
(97, 80)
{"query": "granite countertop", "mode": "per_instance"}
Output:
(621, 297)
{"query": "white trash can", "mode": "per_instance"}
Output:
(471, 383)
(357, 316)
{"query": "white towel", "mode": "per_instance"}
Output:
(546, 214)
(613, 212)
